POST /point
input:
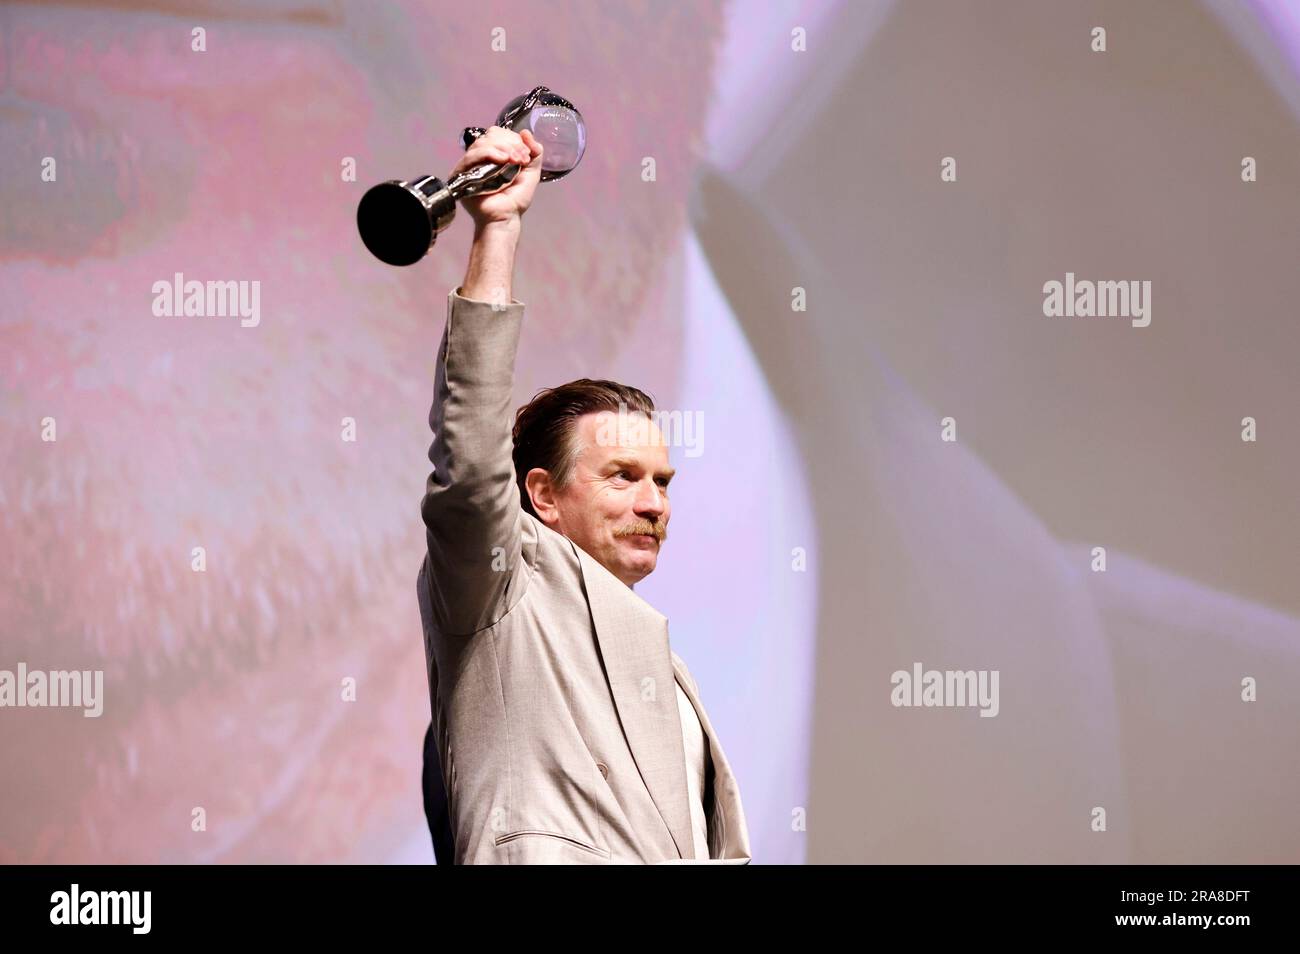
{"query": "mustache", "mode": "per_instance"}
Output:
(656, 530)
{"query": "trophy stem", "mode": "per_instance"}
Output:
(439, 200)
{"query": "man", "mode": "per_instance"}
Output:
(565, 730)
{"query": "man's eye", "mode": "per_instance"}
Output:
(625, 474)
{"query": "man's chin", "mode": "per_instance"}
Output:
(636, 566)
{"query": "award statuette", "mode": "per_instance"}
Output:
(400, 220)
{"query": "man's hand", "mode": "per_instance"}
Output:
(506, 206)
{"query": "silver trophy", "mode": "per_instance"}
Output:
(400, 220)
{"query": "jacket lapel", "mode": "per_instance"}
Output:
(728, 833)
(633, 638)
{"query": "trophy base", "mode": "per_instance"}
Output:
(396, 221)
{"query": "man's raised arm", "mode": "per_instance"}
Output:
(471, 505)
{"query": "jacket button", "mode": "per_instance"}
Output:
(604, 770)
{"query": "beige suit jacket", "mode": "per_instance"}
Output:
(551, 681)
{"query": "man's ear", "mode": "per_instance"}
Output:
(542, 493)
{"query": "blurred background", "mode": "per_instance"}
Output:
(825, 536)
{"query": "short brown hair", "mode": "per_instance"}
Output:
(544, 427)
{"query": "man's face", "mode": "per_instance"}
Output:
(615, 505)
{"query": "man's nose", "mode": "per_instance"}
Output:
(649, 500)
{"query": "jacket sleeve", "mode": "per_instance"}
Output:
(471, 504)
